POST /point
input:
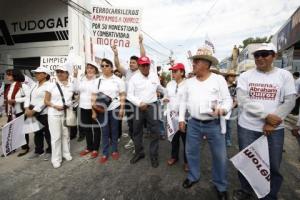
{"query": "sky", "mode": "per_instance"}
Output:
(182, 25)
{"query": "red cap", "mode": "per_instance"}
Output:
(144, 60)
(177, 66)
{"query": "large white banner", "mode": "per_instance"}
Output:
(172, 124)
(253, 162)
(13, 135)
(116, 26)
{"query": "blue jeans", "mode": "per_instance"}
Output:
(195, 131)
(275, 141)
(109, 125)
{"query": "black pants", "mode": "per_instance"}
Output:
(152, 119)
(90, 129)
(41, 134)
(129, 112)
(176, 145)
(25, 146)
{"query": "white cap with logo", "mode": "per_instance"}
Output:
(266, 47)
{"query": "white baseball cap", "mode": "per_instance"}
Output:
(93, 63)
(62, 68)
(266, 47)
(42, 69)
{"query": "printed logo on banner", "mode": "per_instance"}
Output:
(116, 26)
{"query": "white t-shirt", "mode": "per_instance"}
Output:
(56, 98)
(128, 74)
(36, 97)
(173, 91)
(267, 90)
(85, 89)
(198, 97)
(112, 87)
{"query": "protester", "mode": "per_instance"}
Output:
(230, 77)
(89, 128)
(295, 110)
(35, 107)
(207, 98)
(58, 98)
(266, 95)
(174, 88)
(15, 95)
(142, 92)
(296, 133)
(114, 88)
(128, 73)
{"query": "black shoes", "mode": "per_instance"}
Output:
(187, 183)
(25, 151)
(137, 157)
(242, 195)
(154, 162)
(221, 195)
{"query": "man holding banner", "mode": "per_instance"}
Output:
(266, 95)
(172, 97)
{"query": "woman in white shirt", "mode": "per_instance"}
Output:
(35, 107)
(60, 138)
(14, 96)
(174, 89)
(89, 128)
(113, 87)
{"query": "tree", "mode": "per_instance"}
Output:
(252, 40)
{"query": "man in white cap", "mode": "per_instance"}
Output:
(266, 95)
(207, 98)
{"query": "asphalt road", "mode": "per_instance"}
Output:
(83, 178)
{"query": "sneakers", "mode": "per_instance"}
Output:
(94, 155)
(84, 152)
(45, 156)
(33, 156)
(103, 159)
(115, 155)
(242, 195)
(68, 158)
(23, 153)
(56, 165)
(129, 145)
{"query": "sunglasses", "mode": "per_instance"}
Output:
(263, 54)
(9, 74)
(59, 71)
(105, 66)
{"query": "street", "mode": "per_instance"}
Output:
(83, 178)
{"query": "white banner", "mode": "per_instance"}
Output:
(172, 124)
(253, 162)
(116, 26)
(13, 135)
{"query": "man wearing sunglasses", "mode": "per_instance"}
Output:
(266, 95)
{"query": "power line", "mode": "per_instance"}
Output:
(202, 20)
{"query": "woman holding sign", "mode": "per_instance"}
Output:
(174, 89)
(58, 98)
(108, 101)
(14, 96)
